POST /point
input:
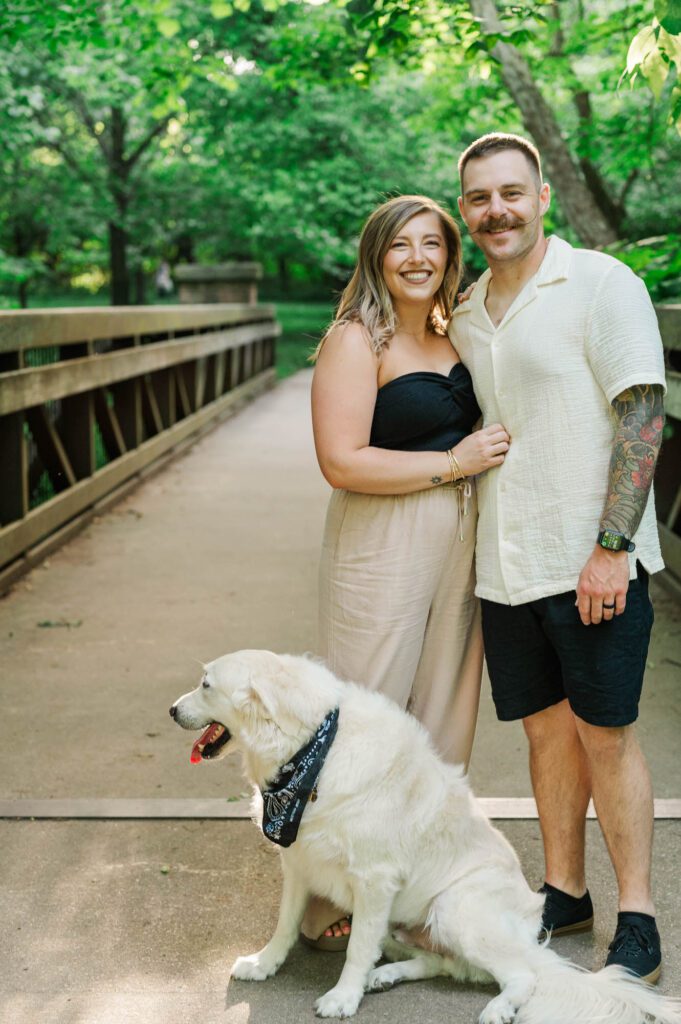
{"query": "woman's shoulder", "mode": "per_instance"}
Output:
(349, 338)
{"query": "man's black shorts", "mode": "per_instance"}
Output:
(539, 653)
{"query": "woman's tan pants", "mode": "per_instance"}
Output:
(397, 613)
(397, 610)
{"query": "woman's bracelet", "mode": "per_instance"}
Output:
(456, 470)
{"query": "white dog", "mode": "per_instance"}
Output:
(393, 835)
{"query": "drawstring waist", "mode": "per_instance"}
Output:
(463, 496)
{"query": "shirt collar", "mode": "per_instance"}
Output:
(553, 268)
(556, 263)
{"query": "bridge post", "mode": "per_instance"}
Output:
(220, 282)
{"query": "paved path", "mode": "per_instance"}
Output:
(110, 922)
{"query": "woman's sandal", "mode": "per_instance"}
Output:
(329, 943)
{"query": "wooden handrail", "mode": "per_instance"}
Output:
(91, 398)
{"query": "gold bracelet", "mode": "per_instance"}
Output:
(456, 470)
(452, 470)
(461, 474)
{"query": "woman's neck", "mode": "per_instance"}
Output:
(413, 320)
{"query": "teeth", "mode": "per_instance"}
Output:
(417, 276)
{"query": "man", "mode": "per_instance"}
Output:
(564, 350)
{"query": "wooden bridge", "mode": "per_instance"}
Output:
(91, 399)
(121, 879)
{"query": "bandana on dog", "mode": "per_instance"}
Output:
(286, 798)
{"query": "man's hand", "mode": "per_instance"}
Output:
(603, 581)
(465, 296)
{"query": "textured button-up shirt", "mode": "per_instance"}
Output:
(580, 332)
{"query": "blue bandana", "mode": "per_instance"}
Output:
(285, 799)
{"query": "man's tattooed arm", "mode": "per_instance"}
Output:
(640, 411)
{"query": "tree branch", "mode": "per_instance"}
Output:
(131, 160)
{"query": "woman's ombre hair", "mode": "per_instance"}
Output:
(366, 299)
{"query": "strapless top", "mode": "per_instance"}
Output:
(425, 411)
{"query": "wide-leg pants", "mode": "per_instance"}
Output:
(397, 610)
(397, 613)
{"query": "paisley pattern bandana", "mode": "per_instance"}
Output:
(285, 799)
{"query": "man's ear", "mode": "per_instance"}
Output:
(545, 197)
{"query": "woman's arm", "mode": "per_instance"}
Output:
(343, 398)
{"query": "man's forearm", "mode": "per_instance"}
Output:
(640, 410)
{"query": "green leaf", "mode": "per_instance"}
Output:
(641, 45)
(655, 68)
(221, 10)
(668, 13)
(168, 27)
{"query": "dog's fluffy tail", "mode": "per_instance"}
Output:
(567, 994)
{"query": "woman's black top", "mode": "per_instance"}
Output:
(425, 411)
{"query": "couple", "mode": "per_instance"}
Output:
(559, 350)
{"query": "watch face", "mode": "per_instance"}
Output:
(611, 540)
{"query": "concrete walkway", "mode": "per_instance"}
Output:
(109, 922)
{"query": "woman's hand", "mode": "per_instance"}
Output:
(465, 296)
(482, 450)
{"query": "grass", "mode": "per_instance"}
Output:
(303, 323)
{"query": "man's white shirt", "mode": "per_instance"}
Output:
(580, 332)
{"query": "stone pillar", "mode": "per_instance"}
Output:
(219, 282)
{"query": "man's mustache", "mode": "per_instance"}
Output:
(501, 224)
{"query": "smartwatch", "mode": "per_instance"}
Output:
(612, 541)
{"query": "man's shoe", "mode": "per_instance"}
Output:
(636, 946)
(564, 913)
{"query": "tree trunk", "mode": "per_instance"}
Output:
(581, 210)
(185, 248)
(118, 236)
(140, 287)
(282, 273)
(118, 262)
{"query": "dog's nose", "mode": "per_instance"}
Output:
(173, 711)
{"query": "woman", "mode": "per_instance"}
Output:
(393, 409)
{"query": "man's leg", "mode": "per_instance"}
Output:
(602, 667)
(562, 787)
(623, 798)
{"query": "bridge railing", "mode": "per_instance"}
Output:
(90, 399)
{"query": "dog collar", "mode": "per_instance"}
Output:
(286, 797)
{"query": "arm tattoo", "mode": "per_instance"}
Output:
(638, 437)
(436, 479)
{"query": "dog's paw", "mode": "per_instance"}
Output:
(253, 968)
(499, 1011)
(383, 978)
(338, 1003)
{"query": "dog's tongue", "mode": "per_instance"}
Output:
(213, 731)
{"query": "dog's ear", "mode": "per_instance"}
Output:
(257, 695)
(249, 701)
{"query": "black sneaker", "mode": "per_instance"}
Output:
(564, 913)
(636, 946)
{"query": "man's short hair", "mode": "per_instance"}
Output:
(495, 142)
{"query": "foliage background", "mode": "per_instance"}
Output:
(136, 132)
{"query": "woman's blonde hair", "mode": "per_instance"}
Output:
(366, 299)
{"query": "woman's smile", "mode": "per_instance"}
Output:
(416, 276)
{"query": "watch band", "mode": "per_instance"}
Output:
(612, 541)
